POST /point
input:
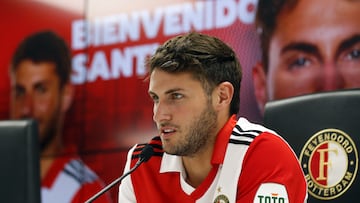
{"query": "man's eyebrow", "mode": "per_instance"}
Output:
(347, 43)
(173, 90)
(167, 92)
(302, 47)
(40, 84)
(18, 86)
(37, 84)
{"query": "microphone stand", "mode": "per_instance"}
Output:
(145, 155)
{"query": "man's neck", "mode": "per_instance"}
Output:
(53, 150)
(45, 165)
(197, 167)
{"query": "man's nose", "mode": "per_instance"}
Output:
(332, 79)
(161, 112)
(27, 106)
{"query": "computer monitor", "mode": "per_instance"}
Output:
(20, 164)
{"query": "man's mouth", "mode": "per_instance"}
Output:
(167, 131)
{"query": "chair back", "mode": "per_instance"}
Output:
(324, 131)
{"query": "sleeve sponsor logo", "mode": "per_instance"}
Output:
(330, 161)
(271, 193)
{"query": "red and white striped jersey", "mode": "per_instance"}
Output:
(250, 164)
(69, 180)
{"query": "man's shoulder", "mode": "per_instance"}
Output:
(76, 169)
(69, 174)
(266, 144)
(245, 132)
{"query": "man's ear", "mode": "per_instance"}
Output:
(224, 93)
(67, 96)
(259, 81)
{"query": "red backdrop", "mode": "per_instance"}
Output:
(109, 41)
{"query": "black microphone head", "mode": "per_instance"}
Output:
(146, 153)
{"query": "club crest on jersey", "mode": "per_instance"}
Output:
(221, 199)
(330, 161)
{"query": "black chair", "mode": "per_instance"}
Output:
(324, 131)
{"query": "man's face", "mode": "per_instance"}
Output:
(35, 93)
(316, 47)
(185, 117)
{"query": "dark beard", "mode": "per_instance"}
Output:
(200, 133)
(50, 135)
(50, 130)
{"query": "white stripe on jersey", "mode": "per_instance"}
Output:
(63, 189)
(68, 182)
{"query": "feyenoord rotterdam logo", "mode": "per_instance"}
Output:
(221, 199)
(330, 161)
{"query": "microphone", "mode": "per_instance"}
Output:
(144, 156)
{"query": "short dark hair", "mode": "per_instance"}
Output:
(266, 22)
(207, 58)
(45, 46)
